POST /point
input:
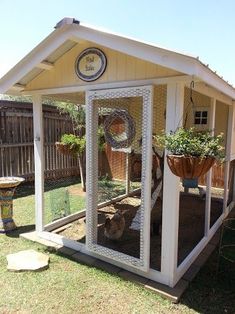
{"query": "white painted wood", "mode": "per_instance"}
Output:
(80, 247)
(231, 206)
(146, 92)
(207, 76)
(146, 176)
(70, 218)
(228, 153)
(127, 173)
(65, 220)
(35, 57)
(102, 86)
(18, 87)
(232, 157)
(187, 262)
(152, 274)
(209, 174)
(183, 267)
(199, 87)
(209, 91)
(45, 65)
(91, 170)
(171, 59)
(170, 215)
(38, 161)
(233, 199)
(151, 53)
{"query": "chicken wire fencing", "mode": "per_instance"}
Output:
(118, 225)
(118, 213)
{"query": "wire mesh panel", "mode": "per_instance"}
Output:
(218, 170)
(65, 196)
(231, 182)
(118, 136)
(191, 217)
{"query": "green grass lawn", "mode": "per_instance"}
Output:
(69, 287)
(55, 193)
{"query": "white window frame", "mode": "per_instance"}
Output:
(201, 109)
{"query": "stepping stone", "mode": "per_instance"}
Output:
(28, 260)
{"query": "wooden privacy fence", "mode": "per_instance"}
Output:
(16, 141)
(17, 151)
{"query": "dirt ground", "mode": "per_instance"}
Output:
(191, 227)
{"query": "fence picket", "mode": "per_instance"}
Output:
(16, 142)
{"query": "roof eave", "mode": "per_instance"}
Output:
(34, 58)
(179, 62)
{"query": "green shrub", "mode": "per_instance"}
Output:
(75, 143)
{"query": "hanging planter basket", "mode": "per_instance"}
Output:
(189, 167)
(65, 149)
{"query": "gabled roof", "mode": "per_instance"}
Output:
(68, 32)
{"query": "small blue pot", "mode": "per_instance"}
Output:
(190, 183)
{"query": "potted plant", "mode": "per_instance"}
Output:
(75, 146)
(191, 153)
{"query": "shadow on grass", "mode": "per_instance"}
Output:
(22, 229)
(206, 294)
(209, 293)
(104, 267)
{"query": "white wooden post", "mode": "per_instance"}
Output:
(146, 176)
(39, 162)
(171, 188)
(232, 141)
(91, 170)
(127, 173)
(209, 174)
(228, 155)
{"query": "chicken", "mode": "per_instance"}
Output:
(114, 226)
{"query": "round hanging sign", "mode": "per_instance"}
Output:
(90, 64)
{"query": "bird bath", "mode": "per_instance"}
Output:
(7, 190)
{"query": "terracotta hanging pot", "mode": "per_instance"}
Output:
(189, 167)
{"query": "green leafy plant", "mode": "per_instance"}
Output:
(76, 144)
(77, 140)
(190, 142)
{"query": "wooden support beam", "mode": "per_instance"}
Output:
(209, 174)
(45, 65)
(18, 87)
(171, 189)
(39, 162)
(210, 91)
(228, 156)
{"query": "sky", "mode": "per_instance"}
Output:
(199, 28)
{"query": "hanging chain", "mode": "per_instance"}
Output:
(191, 102)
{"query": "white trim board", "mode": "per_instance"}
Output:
(170, 59)
(199, 86)
(152, 274)
(109, 85)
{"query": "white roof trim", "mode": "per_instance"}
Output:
(171, 59)
(45, 65)
(34, 58)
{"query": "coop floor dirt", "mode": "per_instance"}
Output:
(191, 227)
